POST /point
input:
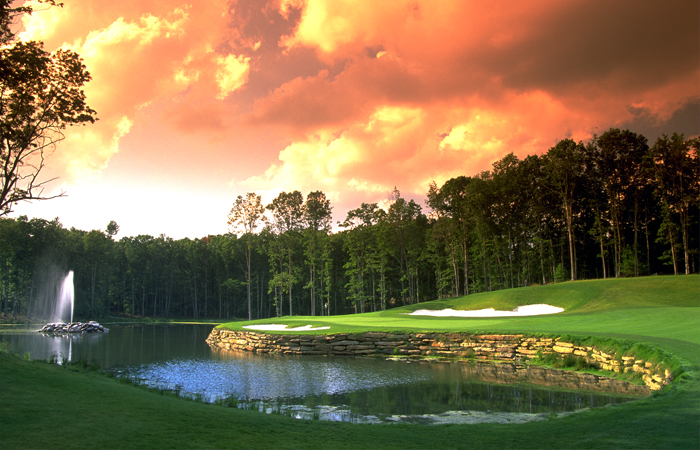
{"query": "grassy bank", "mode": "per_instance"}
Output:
(49, 406)
(653, 307)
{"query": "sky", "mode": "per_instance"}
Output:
(200, 101)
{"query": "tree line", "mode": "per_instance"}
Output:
(611, 207)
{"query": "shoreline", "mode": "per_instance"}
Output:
(513, 348)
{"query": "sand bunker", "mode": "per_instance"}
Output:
(275, 327)
(527, 310)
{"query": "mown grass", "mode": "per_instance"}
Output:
(48, 406)
(616, 306)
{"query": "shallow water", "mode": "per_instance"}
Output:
(176, 357)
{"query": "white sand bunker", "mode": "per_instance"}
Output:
(527, 310)
(275, 327)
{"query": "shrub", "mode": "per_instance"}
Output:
(560, 274)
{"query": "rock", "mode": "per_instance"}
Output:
(73, 327)
(564, 350)
(487, 347)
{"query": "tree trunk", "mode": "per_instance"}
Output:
(247, 257)
(92, 285)
(465, 251)
(684, 236)
(383, 287)
(636, 237)
(551, 257)
(194, 305)
(510, 257)
(570, 230)
(206, 290)
(455, 270)
(600, 238)
(673, 250)
(289, 268)
(544, 279)
(483, 252)
(646, 234)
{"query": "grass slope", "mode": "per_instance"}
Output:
(660, 307)
(49, 406)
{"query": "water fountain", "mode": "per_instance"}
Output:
(64, 308)
(66, 299)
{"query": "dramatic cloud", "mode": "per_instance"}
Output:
(137, 55)
(217, 98)
(429, 91)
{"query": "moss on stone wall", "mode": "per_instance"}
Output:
(483, 347)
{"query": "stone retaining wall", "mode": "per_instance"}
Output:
(487, 347)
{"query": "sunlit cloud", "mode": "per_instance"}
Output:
(133, 63)
(81, 165)
(357, 97)
(231, 74)
(410, 147)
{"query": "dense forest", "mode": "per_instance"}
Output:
(611, 207)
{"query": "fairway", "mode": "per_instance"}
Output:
(659, 307)
(49, 406)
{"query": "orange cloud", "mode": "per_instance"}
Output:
(431, 90)
(137, 54)
(231, 74)
(356, 97)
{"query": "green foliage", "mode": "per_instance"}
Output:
(560, 274)
(230, 401)
(655, 315)
(509, 227)
(628, 266)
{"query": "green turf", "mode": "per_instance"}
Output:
(617, 306)
(49, 406)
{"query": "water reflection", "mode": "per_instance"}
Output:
(123, 345)
(265, 377)
(376, 390)
(176, 357)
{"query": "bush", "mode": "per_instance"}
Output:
(627, 264)
(561, 274)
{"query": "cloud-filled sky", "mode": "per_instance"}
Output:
(203, 100)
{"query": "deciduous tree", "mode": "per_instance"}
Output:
(677, 163)
(40, 95)
(246, 214)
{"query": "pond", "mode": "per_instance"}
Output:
(366, 390)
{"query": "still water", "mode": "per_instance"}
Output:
(176, 357)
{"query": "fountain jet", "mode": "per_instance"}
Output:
(64, 306)
(66, 299)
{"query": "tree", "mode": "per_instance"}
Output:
(360, 224)
(317, 218)
(564, 164)
(480, 198)
(112, 228)
(616, 155)
(678, 183)
(287, 213)
(542, 211)
(450, 203)
(244, 216)
(508, 209)
(40, 95)
(96, 247)
(401, 220)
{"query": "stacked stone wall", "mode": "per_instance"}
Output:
(483, 347)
